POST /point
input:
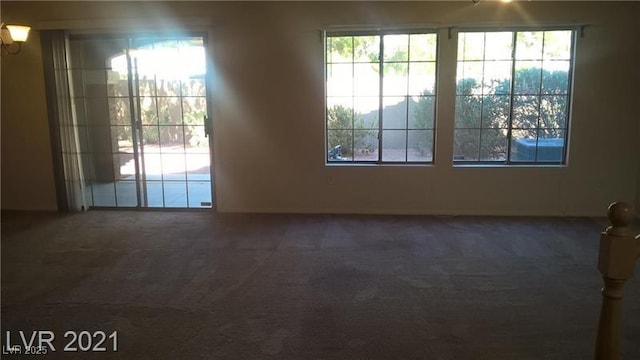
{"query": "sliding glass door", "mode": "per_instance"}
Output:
(140, 116)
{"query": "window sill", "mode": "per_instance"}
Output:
(520, 166)
(377, 164)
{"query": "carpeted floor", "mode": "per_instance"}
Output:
(200, 285)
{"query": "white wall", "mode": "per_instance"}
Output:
(269, 115)
(637, 209)
(638, 113)
(27, 169)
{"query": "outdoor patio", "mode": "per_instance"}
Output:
(173, 177)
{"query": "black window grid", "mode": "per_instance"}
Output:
(512, 94)
(381, 128)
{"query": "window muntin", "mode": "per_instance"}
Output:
(380, 95)
(512, 96)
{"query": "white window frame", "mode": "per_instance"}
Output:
(380, 128)
(567, 121)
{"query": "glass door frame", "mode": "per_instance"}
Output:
(135, 109)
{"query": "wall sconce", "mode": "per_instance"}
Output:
(12, 37)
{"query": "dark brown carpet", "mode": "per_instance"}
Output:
(198, 285)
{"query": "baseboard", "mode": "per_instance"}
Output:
(370, 211)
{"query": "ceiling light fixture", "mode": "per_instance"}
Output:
(476, 2)
(12, 37)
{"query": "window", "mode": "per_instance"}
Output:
(380, 97)
(512, 97)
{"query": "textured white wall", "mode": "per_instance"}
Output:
(27, 167)
(637, 141)
(269, 110)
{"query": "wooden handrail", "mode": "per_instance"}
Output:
(619, 251)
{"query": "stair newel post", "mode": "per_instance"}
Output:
(616, 262)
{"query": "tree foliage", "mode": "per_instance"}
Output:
(357, 48)
(168, 117)
(483, 112)
(346, 128)
(339, 125)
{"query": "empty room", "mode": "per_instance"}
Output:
(320, 179)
